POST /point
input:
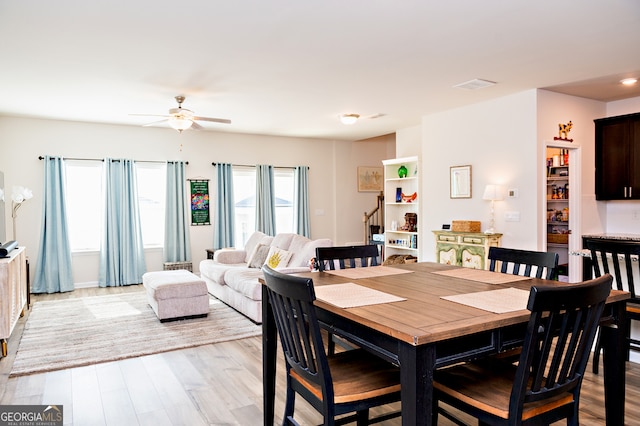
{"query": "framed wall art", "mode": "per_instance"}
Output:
(460, 181)
(200, 202)
(370, 179)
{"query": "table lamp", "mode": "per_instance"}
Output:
(492, 193)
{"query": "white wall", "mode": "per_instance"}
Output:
(555, 108)
(502, 140)
(498, 139)
(350, 203)
(409, 142)
(336, 206)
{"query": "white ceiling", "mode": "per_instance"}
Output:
(286, 67)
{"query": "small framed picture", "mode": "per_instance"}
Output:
(460, 181)
(370, 179)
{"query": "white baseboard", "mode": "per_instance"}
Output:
(88, 284)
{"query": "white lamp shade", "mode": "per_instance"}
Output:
(180, 123)
(492, 193)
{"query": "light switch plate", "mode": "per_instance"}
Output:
(512, 216)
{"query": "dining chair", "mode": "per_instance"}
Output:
(544, 385)
(514, 259)
(340, 257)
(622, 260)
(347, 382)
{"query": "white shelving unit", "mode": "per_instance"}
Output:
(401, 230)
(558, 224)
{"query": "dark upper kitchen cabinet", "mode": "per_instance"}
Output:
(618, 158)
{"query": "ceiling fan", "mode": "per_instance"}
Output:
(182, 118)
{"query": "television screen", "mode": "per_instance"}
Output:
(3, 196)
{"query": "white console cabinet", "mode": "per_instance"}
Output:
(13, 292)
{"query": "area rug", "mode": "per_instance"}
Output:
(75, 332)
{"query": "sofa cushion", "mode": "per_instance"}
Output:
(278, 258)
(230, 256)
(217, 271)
(297, 244)
(256, 238)
(259, 256)
(245, 281)
(302, 256)
(282, 240)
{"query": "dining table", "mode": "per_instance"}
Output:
(423, 316)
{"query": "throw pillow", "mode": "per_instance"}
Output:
(259, 256)
(278, 258)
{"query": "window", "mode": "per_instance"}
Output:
(84, 198)
(151, 200)
(244, 192)
(283, 188)
(84, 204)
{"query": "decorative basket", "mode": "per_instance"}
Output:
(558, 238)
(171, 266)
(465, 226)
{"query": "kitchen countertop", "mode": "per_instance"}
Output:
(622, 237)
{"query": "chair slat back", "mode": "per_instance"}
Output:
(558, 341)
(618, 258)
(291, 299)
(362, 256)
(515, 259)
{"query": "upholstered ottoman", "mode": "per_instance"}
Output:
(176, 294)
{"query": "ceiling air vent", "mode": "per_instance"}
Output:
(475, 84)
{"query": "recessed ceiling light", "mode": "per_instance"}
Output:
(349, 118)
(629, 81)
(475, 84)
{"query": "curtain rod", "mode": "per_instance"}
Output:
(253, 165)
(102, 159)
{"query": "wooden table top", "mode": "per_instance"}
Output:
(424, 317)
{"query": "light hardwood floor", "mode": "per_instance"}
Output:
(218, 384)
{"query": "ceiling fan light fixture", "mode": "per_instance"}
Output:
(180, 123)
(349, 118)
(629, 81)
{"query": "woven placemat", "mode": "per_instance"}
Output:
(497, 301)
(371, 272)
(483, 276)
(350, 295)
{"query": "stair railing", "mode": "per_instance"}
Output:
(373, 221)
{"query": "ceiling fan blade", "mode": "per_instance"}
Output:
(214, 120)
(151, 115)
(155, 123)
(196, 126)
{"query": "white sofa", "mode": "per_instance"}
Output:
(232, 275)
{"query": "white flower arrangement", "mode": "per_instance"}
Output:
(19, 195)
